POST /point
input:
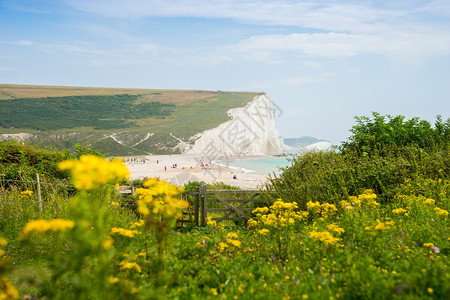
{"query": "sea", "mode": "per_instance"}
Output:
(259, 165)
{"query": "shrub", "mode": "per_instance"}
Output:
(369, 135)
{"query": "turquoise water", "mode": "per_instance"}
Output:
(263, 166)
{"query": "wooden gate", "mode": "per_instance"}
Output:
(233, 204)
(230, 203)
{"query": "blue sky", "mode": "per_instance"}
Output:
(322, 62)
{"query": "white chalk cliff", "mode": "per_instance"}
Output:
(250, 131)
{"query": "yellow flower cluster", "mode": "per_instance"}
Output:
(7, 290)
(231, 241)
(160, 198)
(124, 232)
(280, 214)
(381, 226)
(252, 223)
(3, 243)
(263, 231)
(367, 198)
(44, 226)
(399, 211)
(139, 223)
(323, 237)
(325, 210)
(333, 228)
(428, 245)
(313, 208)
(210, 222)
(25, 194)
(222, 246)
(441, 212)
(92, 171)
(133, 266)
(429, 201)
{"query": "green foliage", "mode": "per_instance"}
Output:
(22, 161)
(83, 150)
(405, 258)
(369, 135)
(380, 155)
(328, 176)
(100, 112)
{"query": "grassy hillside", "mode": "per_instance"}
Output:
(115, 121)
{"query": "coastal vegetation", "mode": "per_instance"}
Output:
(368, 221)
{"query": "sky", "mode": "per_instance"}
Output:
(322, 62)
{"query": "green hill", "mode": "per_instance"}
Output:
(114, 121)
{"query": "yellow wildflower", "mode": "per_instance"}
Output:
(125, 265)
(252, 223)
(44, 226)
(429, 201)
(124, 232)
(261, 211)
(25, 194)
(90, 171)
(383, 226)
(137, 224)
(210, 222)
(235, 243)
(232, 235)
(313, 207)
(441, 212)
(399, 211)
(160, 198)
(222, 246)
(324, 237)
(7, 290)
(113, 280)
(333, 228)
(107, 243)
(263, 231)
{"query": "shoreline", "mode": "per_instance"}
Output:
(180, 168)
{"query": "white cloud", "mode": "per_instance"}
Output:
(330, 29)
(342, 45)
(323, 15)
(284, 82)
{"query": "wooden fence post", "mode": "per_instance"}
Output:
(196, 207)
(38, 192)
(203, 207)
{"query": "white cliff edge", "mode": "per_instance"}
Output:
(250, 131)
(317, 146)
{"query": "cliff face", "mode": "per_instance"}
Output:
(251, 131)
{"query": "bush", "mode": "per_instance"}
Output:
(371, 135)
(22, 161)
